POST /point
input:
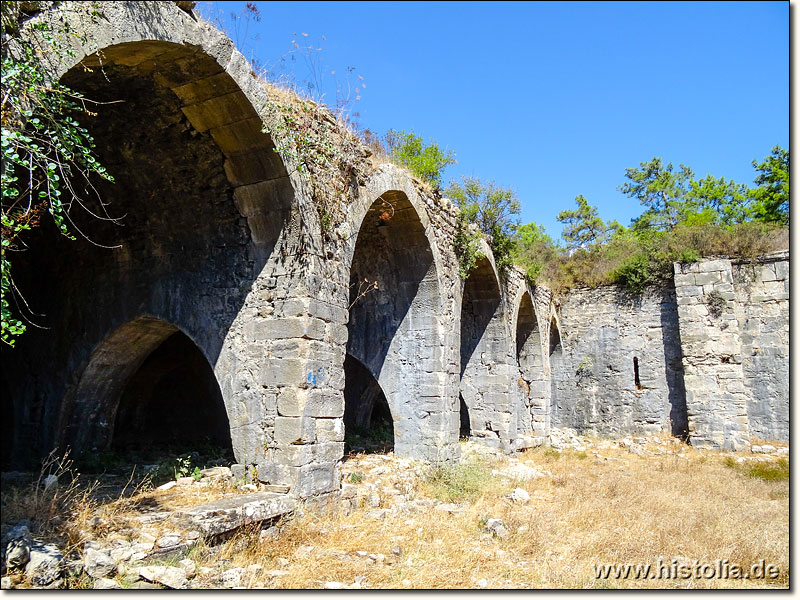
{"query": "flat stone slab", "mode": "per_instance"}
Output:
(227, 514)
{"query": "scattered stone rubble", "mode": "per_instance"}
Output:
(381, 485)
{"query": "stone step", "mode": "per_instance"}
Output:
(227, 514)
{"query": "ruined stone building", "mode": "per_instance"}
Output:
(232, 310)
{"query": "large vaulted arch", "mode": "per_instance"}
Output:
(532, 384)
(393, 328)
(556, 357)
(199, 203)
(148, 387)
(484, 348)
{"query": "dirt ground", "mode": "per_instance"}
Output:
(593, 513)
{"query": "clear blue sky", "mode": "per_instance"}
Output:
(552, 99)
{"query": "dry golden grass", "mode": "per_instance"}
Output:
(597, 508)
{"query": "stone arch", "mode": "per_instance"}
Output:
(367, 417)
(556, 358)
(155, 352)
(394, 328)
(180, 85)
(530, 361)
(202, 201)
(217, 90)
(394, 181)
(484, 355)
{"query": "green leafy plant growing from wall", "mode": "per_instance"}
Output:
(584, 368)
(493, 209)
(426, 161)
(45, 149)
(466, 243)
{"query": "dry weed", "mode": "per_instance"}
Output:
(606, 507)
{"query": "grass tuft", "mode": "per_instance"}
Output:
(462, 482)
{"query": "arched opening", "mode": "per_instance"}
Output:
(393, 329)
(483, 387)
(172, 405)
(199, 202)
(556, 359)
(148, 389)
(531, 368)
(367, 419)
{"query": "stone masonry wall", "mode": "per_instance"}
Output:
(761, 288)
(716, 398)
(227, 242)
(607, 335)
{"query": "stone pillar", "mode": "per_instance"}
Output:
(762, 294)
(716, 399)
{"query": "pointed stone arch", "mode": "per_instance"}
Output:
(204, 201)
(156, 364)
(555, 356)
(367, 417)
(485, 371)
(533, 383)
(393, 327)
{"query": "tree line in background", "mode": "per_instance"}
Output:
(684, 219)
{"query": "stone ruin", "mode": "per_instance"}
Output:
(230, 310)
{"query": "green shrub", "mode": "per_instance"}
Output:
(47, 154)
(687, 256)
(769, 471)
(716, 303)
(636, 273)
(493, 209)
(466, 245)
(426, 162)
(766, 471)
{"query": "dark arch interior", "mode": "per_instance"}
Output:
(464, 429)
(529, 359)
(9, 423)
(199, 202)
(172, 405)
(482, 344)
(555, 338)
(367, 419)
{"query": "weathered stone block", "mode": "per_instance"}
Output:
(294, 430)
(292, 401)
(707, 278)
(316, 479)
(324, 404)
(688, 290)
(231, 513)
(330, 430)
(284, 372)
(715, 265)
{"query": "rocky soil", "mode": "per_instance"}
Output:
(145, 544)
